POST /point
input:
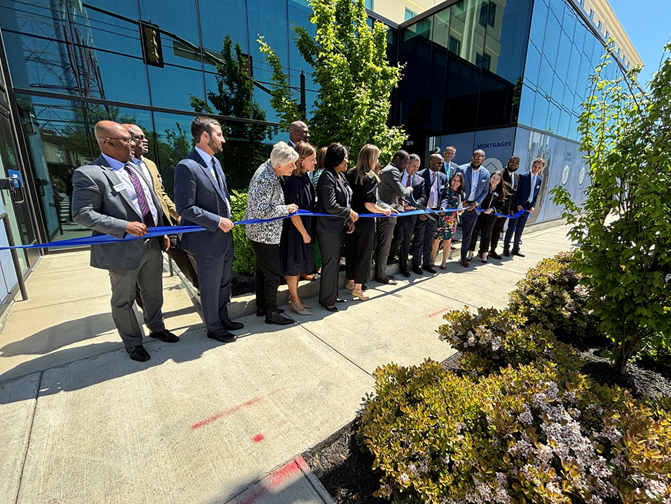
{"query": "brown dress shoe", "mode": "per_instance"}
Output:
(464, 263)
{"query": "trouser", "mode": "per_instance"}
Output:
(483, 227)
(186, 264)
(496, 232)
(215, 273)
(330, 244)
(516, 227)
(401, 242)
(268, 273)
(385, 232)
(468, 220)
(423, 242)
(149, 277)
(359, 250)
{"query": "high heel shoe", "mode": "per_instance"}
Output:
(443, 266)
(469, 256)
(484, 257)
(349, 286)
(359, 295)
(296, 310)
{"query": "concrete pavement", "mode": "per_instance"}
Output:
(203, 422)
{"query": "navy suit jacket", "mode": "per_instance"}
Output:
(442, 186)
(454, 167)
(418, 193)
(524, 190)
(200, 201)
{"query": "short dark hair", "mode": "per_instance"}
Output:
(401, 154)
(200, 125)
(335, 154)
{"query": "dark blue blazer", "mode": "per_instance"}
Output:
(200, 201)
(442, 186)
(524, 190)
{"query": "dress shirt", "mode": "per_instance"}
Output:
(475, 177)
(208, 161)
(118, 168)
(404, 179)
(145, 170)
(433, 191)
(533, 186)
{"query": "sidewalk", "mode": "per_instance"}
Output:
(203, 422)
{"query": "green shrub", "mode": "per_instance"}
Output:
(491, 339)
(552, 295)
(526, 435)
(244, 260)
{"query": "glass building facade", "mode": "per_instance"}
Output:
(505, 75)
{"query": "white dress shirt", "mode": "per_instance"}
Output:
(118, 168)
(475, 177)
(145, 170)
(433, 191)
(533, 186)
(208, 161)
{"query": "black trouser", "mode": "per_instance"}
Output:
(401, 242)
(496, 232)
(483, 226)
(268, 272)
(359, 250)
(330, 244)
(385, 233)
(515, 226)
(468, 220)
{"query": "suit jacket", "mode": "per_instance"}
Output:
(524, 190)
(101, 202)
(483, 183)
(454, 167)
(419, 193)
(168, 207)
(334, 196)
(513, 180)
(442, 186)
(390, 188)
(200, 201)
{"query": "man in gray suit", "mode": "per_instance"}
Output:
(389, 190)
(111, 196)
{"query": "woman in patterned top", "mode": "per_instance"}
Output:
(265, 200)
(447, 225)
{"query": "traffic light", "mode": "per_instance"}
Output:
(152, 51)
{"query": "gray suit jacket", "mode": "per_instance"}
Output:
(390, 188)
(100, 202)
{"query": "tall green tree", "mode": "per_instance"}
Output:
(354, 77)
(624, 225)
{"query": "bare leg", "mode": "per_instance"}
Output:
(292, 283)
(447, 245)
(434, 250)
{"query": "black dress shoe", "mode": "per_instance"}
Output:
(418, 270)
(518, 253)
(364, 287)
(506, 252)
(279, 319)
(332, 309)
(229, 325)
(406, 274)
(429, 269)
(261, 312)
(495, 255)
(222, 335)
(165, 336)
(138, 353)
(339, 300)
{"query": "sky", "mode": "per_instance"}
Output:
(648, 25)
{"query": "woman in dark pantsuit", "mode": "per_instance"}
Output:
(359, 244)
(334, 197)
(494, 202)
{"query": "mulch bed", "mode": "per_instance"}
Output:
(343, 464)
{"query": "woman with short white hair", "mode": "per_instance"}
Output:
(265, 200)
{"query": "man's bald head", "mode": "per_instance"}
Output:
(141, 146)
(114, 140)
(298, 132)
(435, 162)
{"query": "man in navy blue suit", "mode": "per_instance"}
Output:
(202, 199)
(525, 199)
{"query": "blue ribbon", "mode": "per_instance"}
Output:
(166, 230)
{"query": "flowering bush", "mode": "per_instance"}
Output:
(491, 339)
(551, 294)
(525, 435)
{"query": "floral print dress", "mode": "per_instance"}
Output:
(447, 223)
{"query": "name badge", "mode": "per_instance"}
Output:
(119, 187)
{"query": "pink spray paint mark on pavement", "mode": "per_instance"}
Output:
(276, 479)
(258, 438)
(438, 312)
(225, 413)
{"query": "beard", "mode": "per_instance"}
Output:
(215, 146)
(513, 170)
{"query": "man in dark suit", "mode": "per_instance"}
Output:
(112, 196)
(512, 178)
(525, 199)
(389, 190)
(449, 167)
(406, 225)
(202, 199)
(476, 187)
(435, 184)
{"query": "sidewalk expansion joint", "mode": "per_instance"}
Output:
(446, 296)
(30, 436)
(334, 349)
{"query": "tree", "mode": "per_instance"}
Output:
(354, 78)
(624, 226)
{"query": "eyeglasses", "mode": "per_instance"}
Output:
(125, 139)
(478, 157)
(139, 137)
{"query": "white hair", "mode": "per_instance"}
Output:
(282, 154)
